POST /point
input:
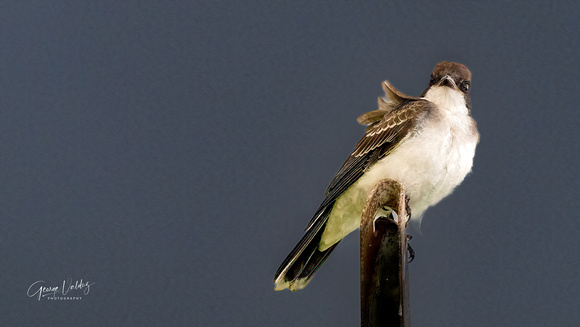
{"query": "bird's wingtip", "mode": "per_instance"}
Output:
(280, 285)
(295, 285)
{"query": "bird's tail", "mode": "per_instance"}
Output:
(305, 259)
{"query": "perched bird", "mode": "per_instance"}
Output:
(426, 143)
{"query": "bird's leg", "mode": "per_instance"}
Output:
(409, 237)
(410, 249)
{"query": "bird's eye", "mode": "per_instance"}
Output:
(464, 87)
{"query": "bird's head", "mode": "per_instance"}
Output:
(452, 79)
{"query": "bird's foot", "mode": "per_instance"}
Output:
(410, 249)
(387, 211)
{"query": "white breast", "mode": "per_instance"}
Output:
(430, 164)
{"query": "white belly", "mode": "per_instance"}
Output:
(429, 165)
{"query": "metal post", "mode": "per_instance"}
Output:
(383, 253)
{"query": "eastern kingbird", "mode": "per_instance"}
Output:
(426, 143)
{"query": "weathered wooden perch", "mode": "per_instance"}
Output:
(383, 259)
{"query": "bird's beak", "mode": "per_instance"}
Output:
(448, 81)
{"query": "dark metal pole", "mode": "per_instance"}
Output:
(383, 253)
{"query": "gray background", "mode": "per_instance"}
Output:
(172, 152)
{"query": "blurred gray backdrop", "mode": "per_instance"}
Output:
(172, 152)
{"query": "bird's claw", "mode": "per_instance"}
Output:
(410, 249)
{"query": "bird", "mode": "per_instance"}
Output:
(427, 143)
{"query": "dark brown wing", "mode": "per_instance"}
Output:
(398, 122)
(379, 140)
